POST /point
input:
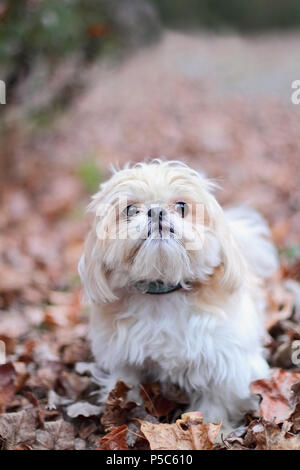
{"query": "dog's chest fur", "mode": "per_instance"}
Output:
(167, 337)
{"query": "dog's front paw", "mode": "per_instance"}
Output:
(134, 395)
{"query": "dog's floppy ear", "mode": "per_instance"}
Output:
(234, 263)
(91, 267)
(92, 271)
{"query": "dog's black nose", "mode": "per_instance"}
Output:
(155, 216)
(156, 212)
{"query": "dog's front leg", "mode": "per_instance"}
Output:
(218, 406)
(107, 380)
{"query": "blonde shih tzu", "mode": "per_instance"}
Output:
(175, 287)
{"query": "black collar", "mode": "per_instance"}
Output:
(156, 287)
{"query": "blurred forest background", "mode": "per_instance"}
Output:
(94, 82)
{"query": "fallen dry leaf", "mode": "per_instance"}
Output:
(56, 435)
(21, 375)
(188, 433)
(295, 400)
(135, 438)
(71, 385)
(86, 429)
(75, 352)
(117, 407)
(293, 271)
(59, 197)
(156, 404)
(10, 343)
(294, 288)
(114, 440)
(18, 428)
(7, 384)
(280, 305)
(276, 394)
(269, 436)
(12, 279)
(83, 408)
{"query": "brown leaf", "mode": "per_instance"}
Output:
(135, 438)
(188, 433)
(10, 343)
(155, 403)
(64, 315)
(75, 352)
(7, 384)
(280, 305)
(114, 440)
(280, 231)
(235, 438)
(18, 428)
(71, 384)
(295, 399)
(13, 324)
(117, 407)
(263, 435)
(56, 435)
(86, 429)
(12, 279)
(46, 377)
(276, 394)
(21, 375)
(293, 271)
(59, 196)
(57, 316)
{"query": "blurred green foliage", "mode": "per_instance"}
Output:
(90, 175)
(40, 34)
(290, 252)
(244, 15)
(52, 29)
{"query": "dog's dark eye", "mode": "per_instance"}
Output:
(181, 208)
(131, 210)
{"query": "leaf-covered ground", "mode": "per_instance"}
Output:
(189, 98)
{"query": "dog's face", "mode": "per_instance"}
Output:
(155, 222)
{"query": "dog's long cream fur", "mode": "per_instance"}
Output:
(205, 337)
